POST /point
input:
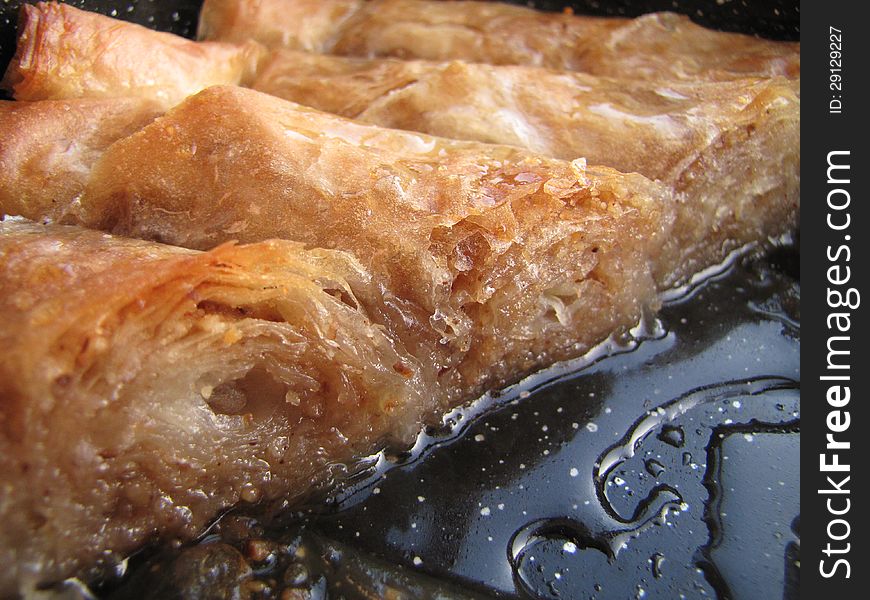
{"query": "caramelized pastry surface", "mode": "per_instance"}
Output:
(655, 46)
(49, 148)
(64, 52)
(730, 150)
(145, 388)
(195, 381)
(477, 248)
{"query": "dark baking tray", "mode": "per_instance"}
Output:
(667, 469)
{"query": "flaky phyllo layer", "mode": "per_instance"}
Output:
(246, 371)
(146, 388)
(729, 151)
(656, 46)
(474, 249)
(64, 52)
(466, 242)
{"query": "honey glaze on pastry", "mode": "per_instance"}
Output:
(186, 378)
(64, 52)
(49, 148)
(730, 150)
(145, 388)
(490, 261)
(655, 46)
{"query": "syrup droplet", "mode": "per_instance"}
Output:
(654, 467)
(672, 435)
(657, 560)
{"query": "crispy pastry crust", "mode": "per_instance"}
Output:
(276, 24)
(477, 264)
(145, 388)
(630, 125)
(731, 150)
(655, 46)
(49, 148)
(471, 243)
(64, 53)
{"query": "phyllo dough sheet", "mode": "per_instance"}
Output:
(49, 148)
(655, 46)
(145, 388)
(730, 150)
(64, 52)
(489, 260)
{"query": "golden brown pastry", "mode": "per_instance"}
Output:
(64, 53)
(709, 140)
(728, 148)
(655, 46)
(489, 258)
(307, 25)
(198, 380)
(49, 148)
(639, 126)
(146, 388)
(658, 129)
